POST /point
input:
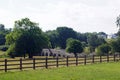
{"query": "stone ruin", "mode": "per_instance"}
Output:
(55, 53)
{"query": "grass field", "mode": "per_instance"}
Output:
(101, 71)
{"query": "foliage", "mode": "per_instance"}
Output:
(103, 49)
(3, 54)
(94, 41)
(82, 37)
(116, 45)
(102, 34)
(87, 50)
(118, 25)
(118, 33)
(3, 33)
(84, 44)
(63, 34)
(59, 36)
(26, 38)
(118, 22)
(11, 51)
(53, 36)
(74, 46)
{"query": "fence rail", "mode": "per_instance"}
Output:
(48, 62)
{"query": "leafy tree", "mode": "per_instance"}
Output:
(2, 39)
(53, 36)
(118, 25)
(116, 45)
(74, 46)
(94, 41)
(118, 33)
(26, 38)
(63, 34)
(87, 50)
(103, 49)
(84, 44)
(82, 37)
(3, 33)
(118, 22)
(102, 35)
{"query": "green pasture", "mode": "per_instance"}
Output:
(101, 71)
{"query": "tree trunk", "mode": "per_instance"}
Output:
(50, 51)
(30, 55)
(24, 55)
(75, 54)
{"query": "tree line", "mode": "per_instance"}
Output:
(27, 39)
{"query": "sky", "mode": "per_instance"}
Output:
(81, 15)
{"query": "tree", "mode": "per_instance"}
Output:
(74, 46)
(94, 41)
(53, 36)
(63, 34)
(87, 50)
(26, 38)
(118, 25)
(102, 35)
(116, 45)
(82, 37)
(3, 33)
(103, 49)
(118, 22)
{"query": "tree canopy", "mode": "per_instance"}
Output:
(63, 34)
(3, 33)
(103, 49)
(94, 41)
(116, 45)
(54, 39)
(26, 38)
(74, 46)
(118, 22)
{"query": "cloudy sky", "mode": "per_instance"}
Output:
(81, 15)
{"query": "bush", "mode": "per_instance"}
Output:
(87, 50)
(74, 46)
(11, 51)
(103, 49)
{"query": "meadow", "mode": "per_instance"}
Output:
(98, 71)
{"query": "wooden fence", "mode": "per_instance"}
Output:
(50, 62)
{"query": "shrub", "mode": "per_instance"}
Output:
(87, 50)
(103, 49)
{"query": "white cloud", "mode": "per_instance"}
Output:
(81, 15)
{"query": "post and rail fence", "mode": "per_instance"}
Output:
(50, 62)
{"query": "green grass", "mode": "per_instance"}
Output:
(103, 71)
(3, 54)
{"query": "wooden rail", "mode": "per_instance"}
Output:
(48, 62)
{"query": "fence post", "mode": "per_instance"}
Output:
(67, 61)
(46, 62)
(93, 58)
(119, 56)
(100, 58)
(85, 60)
(33, 63)
(114, 57)
(107, 57)
(57, 59)
(5, 65)
(20, 63)
(76, 60)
